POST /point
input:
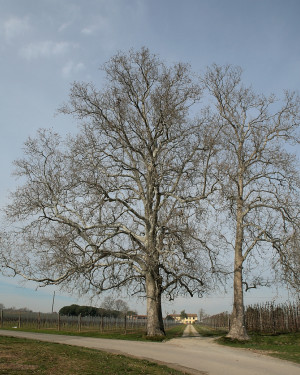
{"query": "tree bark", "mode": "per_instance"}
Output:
(155, 325)
(237, 328)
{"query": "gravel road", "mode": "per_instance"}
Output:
(195, 355)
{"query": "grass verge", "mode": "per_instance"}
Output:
(209, 332)
(30, 357)
(283, 346)
(175, 331)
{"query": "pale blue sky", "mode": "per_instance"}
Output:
(47, 44)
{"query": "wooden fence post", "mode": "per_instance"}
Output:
(39, 320)
(125, 324)
(58, 322)
(79, 322)
(101, 324)
(273, 321)
(19, 324)
(260, 320)
(1, 318)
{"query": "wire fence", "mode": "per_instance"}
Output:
(263, 318)
(55, 321)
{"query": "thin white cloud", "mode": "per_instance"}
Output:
(64, 26)
(44, 49)
(71, 68)
(88, 30)
(101, 24)
(14, 27)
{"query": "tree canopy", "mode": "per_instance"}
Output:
(147, 194)
(76, 310)
(119, 204)
(258, 179)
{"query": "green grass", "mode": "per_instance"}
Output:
(31, 357)
(139, 335)
(175, 331)
(283, 346)
(209, 332)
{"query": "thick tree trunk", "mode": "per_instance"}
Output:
(237, 327)
(155, 324)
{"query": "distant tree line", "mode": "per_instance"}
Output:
(109, 308)
(8, 309)
(76, 310)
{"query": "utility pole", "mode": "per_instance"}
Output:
(53, 301)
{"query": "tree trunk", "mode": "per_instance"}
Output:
(237, 328)
(155, 325)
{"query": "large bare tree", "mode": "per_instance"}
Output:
(289, 260)
(259, 178)
(119, 204)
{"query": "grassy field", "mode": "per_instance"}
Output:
(30, 357)
(175, 331)
(206, 331)
(283, 346)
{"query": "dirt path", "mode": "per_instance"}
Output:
(199, 355)
(190, 331)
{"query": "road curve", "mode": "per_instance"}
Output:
(196, 355)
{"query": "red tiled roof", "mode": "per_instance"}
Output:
(188, 315)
